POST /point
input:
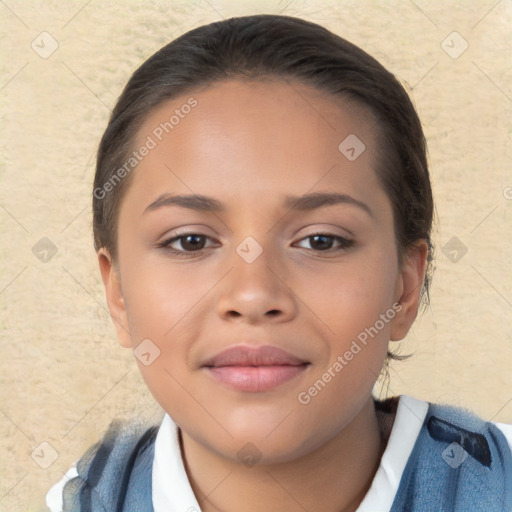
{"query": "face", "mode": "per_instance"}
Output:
(257, 269)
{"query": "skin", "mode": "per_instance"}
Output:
(249, 145)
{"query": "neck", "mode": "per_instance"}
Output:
(333, 478)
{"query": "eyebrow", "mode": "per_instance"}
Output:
(195, 202)
(306, 202)
(320, 199)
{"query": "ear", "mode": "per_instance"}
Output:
(115, 299)
(408, 291)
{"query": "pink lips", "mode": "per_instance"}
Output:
(254, 369)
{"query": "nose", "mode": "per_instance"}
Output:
(256, 293)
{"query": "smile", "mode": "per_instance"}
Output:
(255, 369)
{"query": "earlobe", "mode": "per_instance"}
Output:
(409, 288)
(114, 295)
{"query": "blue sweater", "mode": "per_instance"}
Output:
(459, 463)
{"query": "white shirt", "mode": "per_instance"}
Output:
(168, 465)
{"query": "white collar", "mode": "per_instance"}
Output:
(172, 490)
(171, 487)
(409, 419)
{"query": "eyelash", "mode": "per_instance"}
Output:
(344, 244)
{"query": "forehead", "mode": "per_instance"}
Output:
(256, 137)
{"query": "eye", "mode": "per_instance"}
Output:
(323, 242)
(187, 243)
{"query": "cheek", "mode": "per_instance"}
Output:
(161, 309)
(351, 296)
(159, 297)
(355, 305)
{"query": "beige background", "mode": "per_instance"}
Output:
(63, 375)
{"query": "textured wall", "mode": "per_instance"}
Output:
(63, 375)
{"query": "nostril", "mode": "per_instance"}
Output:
(273, 312)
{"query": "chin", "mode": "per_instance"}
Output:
(275, 442)
(251, 451)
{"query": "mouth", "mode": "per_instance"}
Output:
(254, 369)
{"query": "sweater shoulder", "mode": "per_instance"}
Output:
(109, 468)
(460, 462)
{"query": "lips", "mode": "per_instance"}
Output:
(254, 369)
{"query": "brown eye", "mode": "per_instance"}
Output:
(188, 243)
(323, 242)
(192, 242)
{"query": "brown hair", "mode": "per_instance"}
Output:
(270, 46)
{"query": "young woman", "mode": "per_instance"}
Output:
(262, 216)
